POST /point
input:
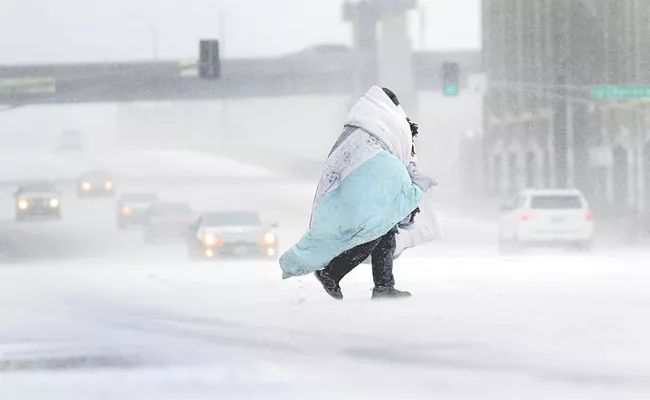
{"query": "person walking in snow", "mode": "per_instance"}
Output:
(369, 185)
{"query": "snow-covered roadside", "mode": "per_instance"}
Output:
(129, 165)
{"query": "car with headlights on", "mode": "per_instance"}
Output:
(546, 218)
(37, 200)
(231, 233)
(167, 221)
(132, 208)
(95, 184)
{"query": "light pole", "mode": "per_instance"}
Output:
(153, 32)
(222, 28)
(154, 41)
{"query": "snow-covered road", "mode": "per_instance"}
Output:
(570, 327)
(89, 312)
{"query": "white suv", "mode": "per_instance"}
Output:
(546, 217)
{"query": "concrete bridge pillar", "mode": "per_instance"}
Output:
(394, 59)
(383, 59)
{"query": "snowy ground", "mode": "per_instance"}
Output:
(87, 312)
(17, 166)
(476, 328)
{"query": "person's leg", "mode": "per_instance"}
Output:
(382, 268)
(382, 260)
(340, 266)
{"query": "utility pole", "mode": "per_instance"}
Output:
(423, 27)
(154, 36)
(561, 105)
(154, 42)
(222, 29)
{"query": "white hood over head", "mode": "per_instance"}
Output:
(376, 113)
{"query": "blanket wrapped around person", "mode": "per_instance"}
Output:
(365, 188)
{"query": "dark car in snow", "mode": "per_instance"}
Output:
(167, 221)
(132, 208)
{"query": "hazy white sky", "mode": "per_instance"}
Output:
(96, 30)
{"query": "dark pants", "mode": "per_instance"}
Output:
(381, 252)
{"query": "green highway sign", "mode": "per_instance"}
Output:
(620, 92)
(27, 85)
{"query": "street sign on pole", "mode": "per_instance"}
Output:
(620, 92)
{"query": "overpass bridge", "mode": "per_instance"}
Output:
(177, 80)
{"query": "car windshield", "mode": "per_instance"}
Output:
(556, 203)
(172, 210)
(98, 175)
(140, 197)
(232, 219)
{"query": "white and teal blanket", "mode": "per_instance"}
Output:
(365, 189)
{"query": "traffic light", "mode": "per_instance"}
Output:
(209, 61)
(450, 76)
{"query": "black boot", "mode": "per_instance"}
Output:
(330, 285)
(386, 292)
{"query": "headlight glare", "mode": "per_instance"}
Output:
(86, 186)
(108, 185)
(54, 203)
(211, 240)
(23, 204)
(208, 239)
(269, 238)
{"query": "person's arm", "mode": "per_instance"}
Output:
(423, 181)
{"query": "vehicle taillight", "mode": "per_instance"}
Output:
(524, 217)
(589, 216)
